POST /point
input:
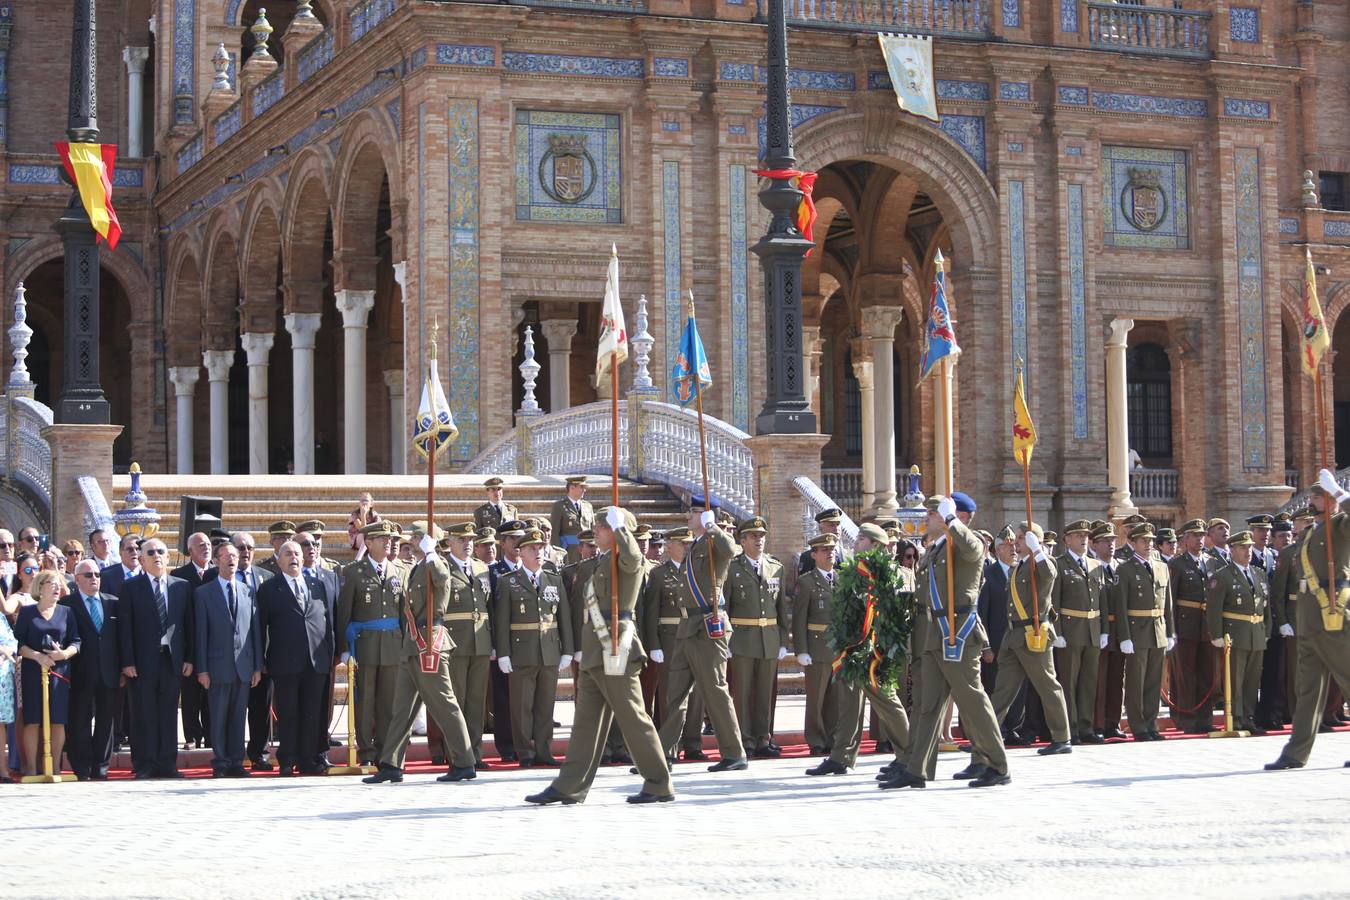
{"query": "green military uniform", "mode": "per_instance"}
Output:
(1077, 601)
(1143, 603)
(603, 700)
(1018, 662)
(1193, 667)
(1238, 606)
(468, 619)
(532, 623)
(569, 518)
(812, 605)
(416, 687)
(660, 620)
(940, 679)
(757, 608)
(369, 608)
(492, 515)
(700, 662)
(576, 577)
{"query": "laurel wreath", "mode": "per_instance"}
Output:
(870, 621)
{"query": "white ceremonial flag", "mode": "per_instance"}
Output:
(613, 348)
(909, 60)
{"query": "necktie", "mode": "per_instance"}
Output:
(829, 576)
(163, 606)
(229, 599)
(300, 593)
(95, 612)
(1251, 584)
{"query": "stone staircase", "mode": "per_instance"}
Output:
(252, 502)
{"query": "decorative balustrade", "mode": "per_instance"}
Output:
(1291, 478)
(189, 154)
(228, 123)
(624, 6)
(365, 17)
(268, 92)
(1152, 30)
(97, 513)
(30, 457)
(814, 501)
(1154, 486)
(314, 56)
(958, 18)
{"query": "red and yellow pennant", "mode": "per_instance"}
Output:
(90, 167)
(1023, 430)
(1316, 339)
(806, 210)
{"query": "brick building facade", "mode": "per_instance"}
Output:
(296, 220)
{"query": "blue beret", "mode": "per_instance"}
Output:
(696, 501)
(963, 502)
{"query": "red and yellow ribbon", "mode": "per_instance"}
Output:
(868, 627)
(806, 210)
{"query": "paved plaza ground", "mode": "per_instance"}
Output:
(1194, 818)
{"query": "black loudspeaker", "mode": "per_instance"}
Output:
(197, 514)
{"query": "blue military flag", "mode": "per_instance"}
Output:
(939, 335)
(433, 424)
(691, 373)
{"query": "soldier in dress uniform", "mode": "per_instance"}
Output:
(643, 535)
(887, 706)
(485, 546)
(496, 510)
(315, 529)
(700, 657)
(554, 557)
(661, 614)
(571, 515)
(1111, 664)
(1166, 543)
(279, 533)
(1216, 538)
(950, 670)
(1238, 605)
(509, 536)
(1145, 628)
(416, 686)
(1128, 524)
(1319, 619)
(656, 548)
(1262, 526)
(605, 700)
(812, 605)
(576, 576)
(532, 620)
(1276, 701)
(1192, 666)
(1077, 600)
(827, 522)
(757, 607)
(369, 625)
(468, 620)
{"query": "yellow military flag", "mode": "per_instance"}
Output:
(1316, 340)
(1023, 430)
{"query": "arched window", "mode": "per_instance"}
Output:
(1148, 376)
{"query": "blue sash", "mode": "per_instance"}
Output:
(950, 652)
(354, 630)
(570, 540)
(712, 617)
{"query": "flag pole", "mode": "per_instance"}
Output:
(947, 488)
(431, 495)
(703, 465)
(614, 502)
(1026, 488)
(1319, 404)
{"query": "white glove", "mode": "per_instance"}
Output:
(344, 657)
(1033, 543)
(1060, 643)
(427, 545)
(614, 518)
(1127, 647)
(658, 657)
(1328, 483)
(782, 653)
(707, 518)
(1171, 644)
(728, 651)
(1287, 630)
(564, 662)
(946, 508)
(1102, 641)
(1217, 642)
(803, 659)
(504, 663)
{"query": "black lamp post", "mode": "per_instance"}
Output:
(780, 252)
(82, 401)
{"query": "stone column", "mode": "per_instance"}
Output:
(862, 371)
(135, 58)
(217, 363)
(880, 323)
(1118, 419)
(811, 350)
(355, 307)
(778, 459)
(559, 334)
(184, 380)
(398, 419)
(302, 327)
(257, 345)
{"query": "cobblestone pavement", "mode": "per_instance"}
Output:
(1193, 818)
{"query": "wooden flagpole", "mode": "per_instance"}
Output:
(703, 465)
(1330, 502)
(947, 488)
(614, 502)
(431, 498)
(1026, 488)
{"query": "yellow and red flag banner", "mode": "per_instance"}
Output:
(1316, 340)
(806, 210)
(1023, 430)
(90, 167)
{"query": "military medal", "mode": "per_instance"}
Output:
(522, 607)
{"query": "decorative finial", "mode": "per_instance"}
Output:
(642, 343)
(136, 515)
(691, 304)
(431, 352)
(261, 30)
(529, 372)
(939, 263)
(1310, 190)
(220, 61)
(19, 337)
(303, 10)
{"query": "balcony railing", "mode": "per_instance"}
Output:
(620, 6)
(1154, 486)
(1149, 29)
(960, 18)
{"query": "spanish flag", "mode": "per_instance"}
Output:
(90, 167)
(1023, 430)
(1315, 336)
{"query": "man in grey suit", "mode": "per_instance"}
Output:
(312, 565)
(229, 658)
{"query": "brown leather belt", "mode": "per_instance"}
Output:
(533, 626)
(1080, 613)
(1239, 617)
(1146, 613)
(1192, 604)
(753, 623)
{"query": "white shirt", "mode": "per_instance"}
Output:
(461, 563)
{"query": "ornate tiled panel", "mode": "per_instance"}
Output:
(968, 131)
(465, 55)
(568, 167)
(1246, 109)
(672, 267)
(1244, 24)
(666, 67)
(1072, 95)
(1251, 305)
(1078, 380)
(462, 344)
(740, 314)
(1014, 90)
(184, 60)
(1017, 258)
(1145, 198)
(1148, 104)
(556, 64)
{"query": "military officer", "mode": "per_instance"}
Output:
(496, 510)
(485, 546)
(1319, 619)
(643, 535)
(950, 669)
(1145, 628)
(509, 536)
(1111, 665)
(1192, 666)
(1238, 607)
(661, 614)
(700, 659)
(1262, 527)
(889, 710)
(1216, 538)
(426, 647)
(468, 620)
(315, 529)
(571, 515)
(1128, 524)
(1166, 544)
(576, 576)
(532, 621)
(1077, 600)
(605, 698)
(757, 607)
(279, 533)
(1024, 655)
(368, 628)
(827, 522)
(812, 603)
(554, 557)
(1279, 665)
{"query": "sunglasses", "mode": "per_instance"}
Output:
(155, 551)
(5, 545)
(93, 575)
(30, 539)
(30, 570)
(72, 553)
(306, 544)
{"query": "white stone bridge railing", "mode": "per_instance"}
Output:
(25, 456)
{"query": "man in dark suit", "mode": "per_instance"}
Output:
(296, 617)
(116, 576)
(993, 612)
(94, 675)
(229, 654)
(260, 695)
(155, 634)
(196, 715)
(312, 565)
